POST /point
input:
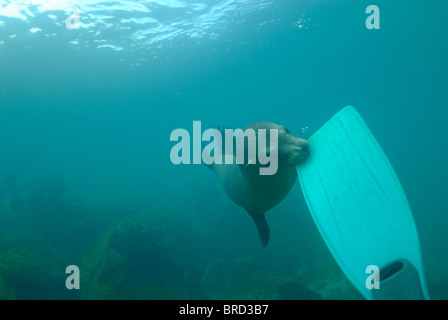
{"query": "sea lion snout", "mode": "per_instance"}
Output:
(299, 153)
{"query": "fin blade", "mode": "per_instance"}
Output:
(358, 203)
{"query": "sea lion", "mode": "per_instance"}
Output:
(259, 193)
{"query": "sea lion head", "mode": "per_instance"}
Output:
(292, 150)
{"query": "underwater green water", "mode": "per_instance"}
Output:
(86, 115)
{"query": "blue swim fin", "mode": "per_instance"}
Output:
(360, 209)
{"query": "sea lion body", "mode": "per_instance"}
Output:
(258, 193)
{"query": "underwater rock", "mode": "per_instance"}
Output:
(134, 261)
(294, 290)
(33, 268)
(24, 273)
(252, 278)
(327, 279)
(6, 293)
(68, 223)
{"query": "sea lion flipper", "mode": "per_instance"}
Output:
(262, 227)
